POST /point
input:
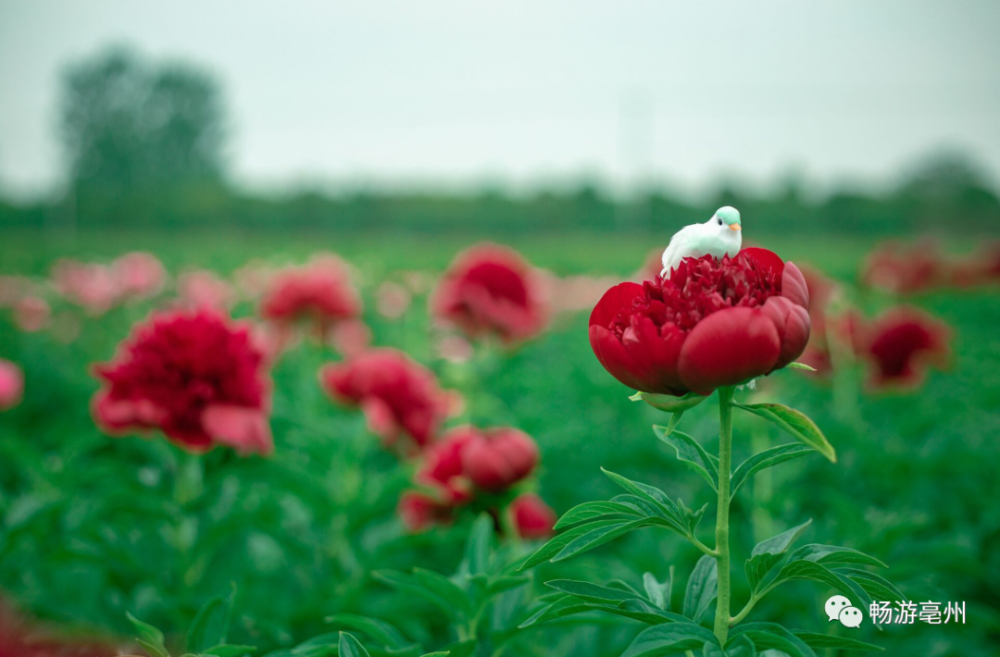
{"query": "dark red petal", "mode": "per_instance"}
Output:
(792, 322)
(794, 286)
(613, 302)
(765, 259)
(656, 355)
(728, 347)
(615, 359)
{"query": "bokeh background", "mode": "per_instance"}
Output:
(395, 135)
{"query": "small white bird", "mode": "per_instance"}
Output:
(719, 236)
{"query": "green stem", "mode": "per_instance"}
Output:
(722, 517)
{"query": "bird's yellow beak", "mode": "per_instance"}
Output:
(735, 227)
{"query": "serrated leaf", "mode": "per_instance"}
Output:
(766, 459)
(659, 593)
(796, 424)
(589, 511)
(670, 639)
(380, 631)
(702, 588)
(150, 638)
(773, 636)
(351, 647)
(691, 453)
(211, 623)
(826, 641)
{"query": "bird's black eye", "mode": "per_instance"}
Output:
(720, 221)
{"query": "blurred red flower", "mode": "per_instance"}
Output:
(711, 323)
(32, 314)
(901, 345)
(201, 289)
(532, 517)
(92, 286)
(899, 269)
(442, 469)
(196, 376)
(400, 397)
(320, 291)
(23, 637)
(11, 385)
(491, 290)
(419, 511)
(496, 459)
(139, 274)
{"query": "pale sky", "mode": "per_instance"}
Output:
(526, 92)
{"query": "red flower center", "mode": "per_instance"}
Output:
(699, 287)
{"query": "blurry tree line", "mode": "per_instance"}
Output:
(145, 149)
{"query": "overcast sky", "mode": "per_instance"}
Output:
(523, 91)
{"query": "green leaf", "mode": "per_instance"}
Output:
(702, 588)
(351, 647)
(477, 549)
(826, 641)
(411, 584)
(226, 650)
(602, 535)
(739, 646)
(773, 636)
(659, 592)
(641, 610)
(691, 453)
(766, 459)
(506, 583)
(768, 553)
(669, 403)
(590, 592)
(150, 638)
(670, 639)
(462, 648)
(830, 555)
(445, 588)
(567, 606)
(795, 424)
(211, 623)
(816, 572)
(380, 631)
(874, 585)
(801, 366)
(558, 542)
(657, 498)
(589, 511)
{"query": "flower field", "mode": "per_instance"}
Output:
(300, 447)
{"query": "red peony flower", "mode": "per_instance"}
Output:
(320, 291)
(711, 323)
(491, 290)
(201, 289)
(194, 375)
(398, 396)
(496, 459)
(24, 637)
(89, 285)
(442, 469)
(420, 511)
(32, 314)
(532, 517)
(11, 385)
(901, 344)
(898, 269)
(139, 274)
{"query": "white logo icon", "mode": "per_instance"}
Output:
(840, 608)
